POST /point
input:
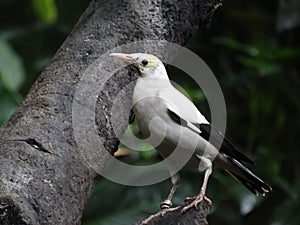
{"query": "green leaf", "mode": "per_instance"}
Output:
(287, 53)
(263, 67)
(11, 68)
(8, 106)
(234, 44)
(46, 10)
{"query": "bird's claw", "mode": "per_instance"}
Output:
(206, 199)
(195, 201)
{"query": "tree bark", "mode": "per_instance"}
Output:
(43, 179)
(192, 217)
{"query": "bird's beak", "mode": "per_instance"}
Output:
(125, 57)
(129, 59)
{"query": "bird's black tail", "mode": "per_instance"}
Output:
(247, 178)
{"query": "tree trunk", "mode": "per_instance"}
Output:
(44, 179)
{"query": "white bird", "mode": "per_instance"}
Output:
(171, 120)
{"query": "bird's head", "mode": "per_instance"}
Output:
(148, 65)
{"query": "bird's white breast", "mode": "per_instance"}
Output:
(152, 98)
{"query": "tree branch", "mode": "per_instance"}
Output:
(192, 217)
(44, 179)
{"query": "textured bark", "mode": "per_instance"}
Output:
(43, 179)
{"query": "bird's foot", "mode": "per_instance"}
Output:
(195, 202)
(206, 199)
(162, 212)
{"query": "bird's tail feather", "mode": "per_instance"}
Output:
(248, 179)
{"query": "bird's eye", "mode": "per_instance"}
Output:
(145, 62)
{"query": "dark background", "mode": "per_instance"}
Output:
(252, 46)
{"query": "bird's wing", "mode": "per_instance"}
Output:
(216, 138)
(181, 105)
(182, 111)
(212, 135)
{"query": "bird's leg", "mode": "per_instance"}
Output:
(197, 199)
(168, 202)
(166, 205)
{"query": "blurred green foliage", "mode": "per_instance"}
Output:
(46, 10)
(252, 48)
(12, 76)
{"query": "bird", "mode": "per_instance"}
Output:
(165, 115)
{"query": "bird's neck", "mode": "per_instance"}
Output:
(151, 82)
(149, 86)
